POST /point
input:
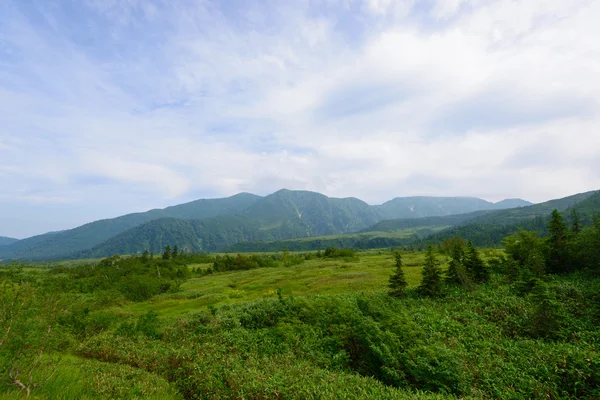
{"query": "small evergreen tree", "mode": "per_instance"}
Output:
(167, 253)
(548, 317)
(397, 281)
(474, 265)
(557, 260)
(456, 273)
(175, 251)
(431, 283)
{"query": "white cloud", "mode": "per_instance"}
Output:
(375, 100)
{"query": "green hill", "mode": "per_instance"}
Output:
(284, 214)
(491, 228)
(190, 236)
(58, 244)
(5, 241)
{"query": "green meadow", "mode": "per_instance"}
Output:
(368, 273)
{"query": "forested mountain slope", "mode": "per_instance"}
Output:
(57, 244)
(491, 228)
(215, 224)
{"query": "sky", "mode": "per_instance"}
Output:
(116, 106)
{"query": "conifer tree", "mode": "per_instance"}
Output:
(431, 283)
(557, 261)
(456, 273)
(475, 266)
(547, 317)
(167, 253)
(397, 282)
(175, 251)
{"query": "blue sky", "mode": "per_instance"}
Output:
(116, 106)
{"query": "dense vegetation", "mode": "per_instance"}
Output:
(452, 322)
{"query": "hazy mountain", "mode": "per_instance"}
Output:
(492, 227)
(510, 203)
(514, 215)
(5, 241)
(418, 207)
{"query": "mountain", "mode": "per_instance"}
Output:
(418, 207)
(488, 230)
(281, 216)
(511, 203)
(216, 224)
(515, 215)
(492, 227)
(5, 241)
(291, 214)
(284, 214)
(58, 244)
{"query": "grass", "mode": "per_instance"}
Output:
(318, 276)
(79, 378)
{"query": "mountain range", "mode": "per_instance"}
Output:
(484, 228)
(216, 224)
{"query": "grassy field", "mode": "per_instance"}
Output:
(369, 272)
(319, 276)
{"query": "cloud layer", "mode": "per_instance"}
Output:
(114, 106)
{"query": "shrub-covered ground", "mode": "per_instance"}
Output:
(294, 326)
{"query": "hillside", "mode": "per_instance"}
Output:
(586, 209)
(291, 214)
(190, 236)
(5, 241)
(58, 244)
(390, 225)
(491, 228)
(284, 214)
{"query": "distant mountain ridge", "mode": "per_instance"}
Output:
(215, 224)
(423, 206)
(491, 228)
(5, 241)
(484, 228)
